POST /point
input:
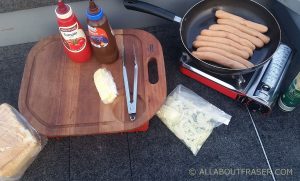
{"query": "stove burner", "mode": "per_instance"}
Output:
(259, 90)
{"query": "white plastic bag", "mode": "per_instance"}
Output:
(19, 144)
(190, 117)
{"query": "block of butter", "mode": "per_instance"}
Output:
(19, 144)
(105, 85)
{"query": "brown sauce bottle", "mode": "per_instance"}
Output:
(101, 35)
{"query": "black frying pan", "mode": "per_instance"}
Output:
(202, 15)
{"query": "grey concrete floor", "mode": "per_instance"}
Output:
(157, 154)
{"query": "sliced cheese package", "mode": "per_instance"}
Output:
(19, 144)
(190, 117)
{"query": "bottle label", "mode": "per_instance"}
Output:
(98, 37)
(73, 38)
(292, 97)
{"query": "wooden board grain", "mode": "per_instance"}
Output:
(59, 98)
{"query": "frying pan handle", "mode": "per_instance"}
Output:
(151, 9)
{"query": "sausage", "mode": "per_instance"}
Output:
(244, 29)
(257, 42)
(225, 41)
(224, 34)
(219, 59)
(230, 49)
(256, 26)
(226, 54)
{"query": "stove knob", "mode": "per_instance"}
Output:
(265, 87)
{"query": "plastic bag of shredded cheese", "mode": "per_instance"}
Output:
(190, 117)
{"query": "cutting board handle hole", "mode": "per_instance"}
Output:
(152, 71)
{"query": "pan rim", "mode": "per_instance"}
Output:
(224, 68)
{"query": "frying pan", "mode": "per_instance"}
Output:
(202, 15)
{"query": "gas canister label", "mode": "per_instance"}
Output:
(98, 37)
(73, 38)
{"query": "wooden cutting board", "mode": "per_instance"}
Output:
(59, 98)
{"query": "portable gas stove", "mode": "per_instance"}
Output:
(258, 90)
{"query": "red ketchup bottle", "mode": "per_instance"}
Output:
(75, 42)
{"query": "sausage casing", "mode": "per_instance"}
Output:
(225, 41)
(256, 26)
(244, 29)
(230, 49)
(226, 54)
(219, 59)
(224, 34)
(256, 41)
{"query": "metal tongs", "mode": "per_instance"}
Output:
(131, 105)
